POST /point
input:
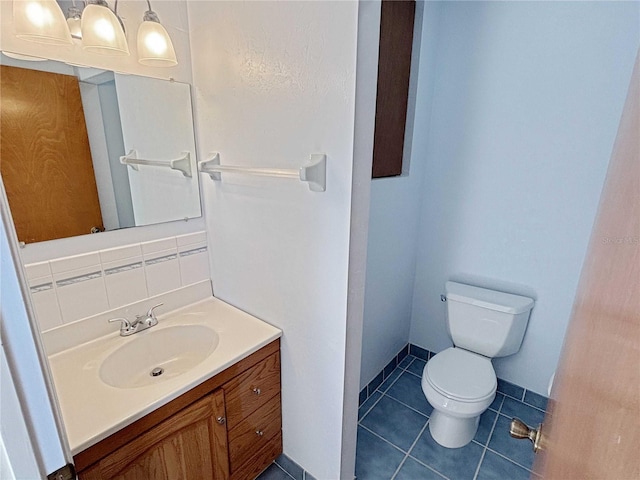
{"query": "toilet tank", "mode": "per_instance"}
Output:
(484, 321)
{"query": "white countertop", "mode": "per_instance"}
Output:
(93, 410)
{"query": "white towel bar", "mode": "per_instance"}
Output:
(314, 172)
(182, 164)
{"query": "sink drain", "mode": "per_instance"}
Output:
(156, 372)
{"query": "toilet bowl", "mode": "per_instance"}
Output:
(460, 386)
(460, 382)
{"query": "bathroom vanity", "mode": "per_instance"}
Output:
(216, 414)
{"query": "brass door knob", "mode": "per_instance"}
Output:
(519, 429)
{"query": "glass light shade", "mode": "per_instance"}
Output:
(102, 32)
(40, 21)
(154, 45)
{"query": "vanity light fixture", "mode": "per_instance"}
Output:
(102, 29)
(154, 44)
(40, 21)
(98, 26)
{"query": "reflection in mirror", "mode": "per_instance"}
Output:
(63, 132)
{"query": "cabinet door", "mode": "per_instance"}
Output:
(191, 445)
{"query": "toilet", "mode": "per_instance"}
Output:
(460, 382)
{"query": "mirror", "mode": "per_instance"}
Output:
(85, 150)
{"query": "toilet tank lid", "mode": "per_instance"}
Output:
(491, 299)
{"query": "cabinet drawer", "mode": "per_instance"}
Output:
(251, 390)
(254, 432)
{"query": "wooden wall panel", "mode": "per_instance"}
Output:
(394, 68)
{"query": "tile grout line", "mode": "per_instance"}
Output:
(371, 407)
(396, 367)
(382, 438)
(366, 387)
(392, 383)
(286, 473)
(410, 448)
(475, 475)
(521, 401)
(408, 406)
(493, 429)
(486, 444)
(382, 393)
(429, 467)
(509, 459)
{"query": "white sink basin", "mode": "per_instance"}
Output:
(167, 352)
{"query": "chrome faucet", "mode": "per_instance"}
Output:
(142, 322)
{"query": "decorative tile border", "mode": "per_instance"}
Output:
(123, 268)
(47, 278)
(78, 279)
(186, 253)
(165, 258)
(41, 288)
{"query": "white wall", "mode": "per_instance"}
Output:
(527, 100)
(173, 15)
(395, 208)
(275, 82)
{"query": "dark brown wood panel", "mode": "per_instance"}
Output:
(249, 391)
(394, 68)
(44, 156)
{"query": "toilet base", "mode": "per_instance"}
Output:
(452, 432)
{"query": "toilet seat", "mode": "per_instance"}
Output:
(461, 375)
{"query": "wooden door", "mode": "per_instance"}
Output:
(191, 445)
(592, 429)
(44, 156)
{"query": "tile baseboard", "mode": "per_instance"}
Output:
(506, 388)
(291, 468)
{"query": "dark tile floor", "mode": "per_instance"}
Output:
(394, 440)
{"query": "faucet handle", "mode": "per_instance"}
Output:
(125, 325)
(151, 314)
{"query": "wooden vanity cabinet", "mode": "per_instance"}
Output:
(229, 427)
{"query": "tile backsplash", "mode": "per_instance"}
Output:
(71, 288)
